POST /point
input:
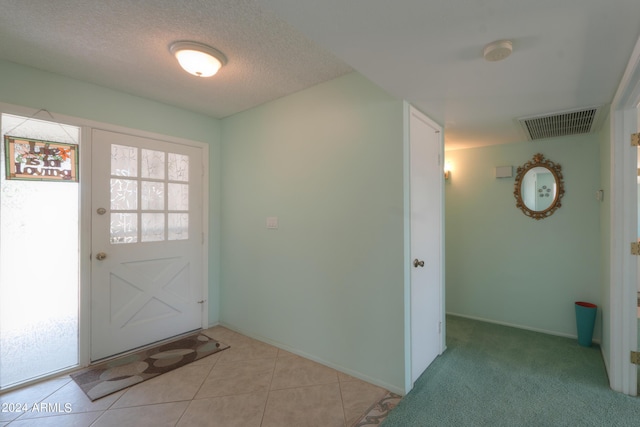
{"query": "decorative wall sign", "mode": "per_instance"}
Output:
(36, 160)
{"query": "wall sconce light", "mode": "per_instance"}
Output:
(197, 58)
(447, 170)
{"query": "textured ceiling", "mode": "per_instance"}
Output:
(568, 54)
(123, 44)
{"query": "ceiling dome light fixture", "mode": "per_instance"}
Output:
(498, 50)
(197, 58)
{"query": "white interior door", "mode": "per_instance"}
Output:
(426, 180)
(147, 241)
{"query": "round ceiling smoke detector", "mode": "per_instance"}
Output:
(498, 50)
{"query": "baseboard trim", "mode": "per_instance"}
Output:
(514, 325)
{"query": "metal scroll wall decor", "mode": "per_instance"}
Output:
(539, 187)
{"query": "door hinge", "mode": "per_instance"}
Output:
(635, 357)
(635, 248)
(439, 327)
(635, 139)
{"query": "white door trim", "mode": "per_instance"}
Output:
(622, 310)
(84, 333)
(85, 208)
(407, 110)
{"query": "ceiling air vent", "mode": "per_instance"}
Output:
(565, 123)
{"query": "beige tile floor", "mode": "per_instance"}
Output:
(249, 384)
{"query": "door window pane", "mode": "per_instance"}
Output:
(178, 167)
(124, 228)
(178, 226)
(152, 227)
(164, 189)
(152, 196)
(152, 164)
(124, 160)
(178, 197)
(124, 194)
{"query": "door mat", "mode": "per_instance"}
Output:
(114, 375)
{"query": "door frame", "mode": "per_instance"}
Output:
(86, 125)
(407, 111)
(621, 319)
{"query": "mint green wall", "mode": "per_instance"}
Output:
(328, 284)
(604, 140)
(505, 267)
(29, 87)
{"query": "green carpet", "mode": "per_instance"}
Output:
(492, 375)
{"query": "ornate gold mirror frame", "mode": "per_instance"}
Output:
(556, 170)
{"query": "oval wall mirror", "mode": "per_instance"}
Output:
(539, 187)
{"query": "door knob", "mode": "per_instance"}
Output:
(100, 256)
(417, 263)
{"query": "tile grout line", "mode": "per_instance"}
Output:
(97, 418)
(273, 373)
(43, 399)
(344, 412)
(198, 390)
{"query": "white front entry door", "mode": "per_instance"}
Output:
(147, 215)
(426, 180)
